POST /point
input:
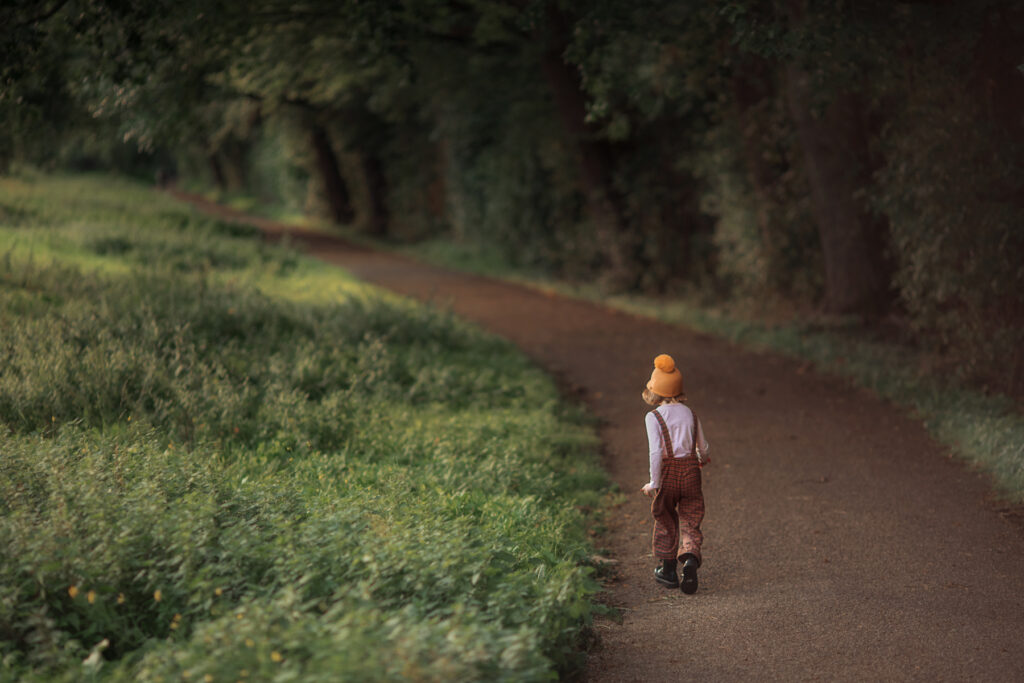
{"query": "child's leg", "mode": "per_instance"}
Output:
(666, 519)
(666, 525)
(691, 512)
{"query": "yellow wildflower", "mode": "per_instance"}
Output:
(238, 616)
(276, 656)
(218, 592)
(249, 642)
(73, 592)
(120, 598)
(158, 595)
(208, 678)
(91, 597)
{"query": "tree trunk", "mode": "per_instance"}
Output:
(217, 170)
(339, 201)
(233, 164)
(997, 83)
(594, 156)
(377, 189)
(996, 76)
(834, 146)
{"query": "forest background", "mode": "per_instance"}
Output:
(857, 160)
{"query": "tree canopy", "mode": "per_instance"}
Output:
(861, 158)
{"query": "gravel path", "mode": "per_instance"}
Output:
(842, 543)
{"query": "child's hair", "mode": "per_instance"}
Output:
(653, 399)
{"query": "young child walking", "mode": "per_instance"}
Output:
(678, 451)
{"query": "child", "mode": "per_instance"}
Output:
(678, 450)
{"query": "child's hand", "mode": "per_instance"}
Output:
(649, 490)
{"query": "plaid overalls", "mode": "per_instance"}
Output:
(678, 508)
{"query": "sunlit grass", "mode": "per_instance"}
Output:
(222, 460)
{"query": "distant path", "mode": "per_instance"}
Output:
(841, 543)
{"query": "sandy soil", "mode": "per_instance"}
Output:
(842, 543)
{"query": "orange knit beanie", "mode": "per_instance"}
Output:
(666, 380)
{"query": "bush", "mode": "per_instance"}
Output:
(957, 235)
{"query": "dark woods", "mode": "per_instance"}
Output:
(860, 158)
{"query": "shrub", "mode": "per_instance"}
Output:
(957, 236)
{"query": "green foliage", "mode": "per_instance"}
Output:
(508, 175)
(957, 236)
(233, 462)
(279, 168)
(765, 245)
(677, 151)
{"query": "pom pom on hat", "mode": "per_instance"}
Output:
(665, 363)
(666, 380)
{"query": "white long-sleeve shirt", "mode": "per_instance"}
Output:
(679, 419)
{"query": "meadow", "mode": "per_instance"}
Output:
(221, 460)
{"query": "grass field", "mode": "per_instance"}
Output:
(222, 461)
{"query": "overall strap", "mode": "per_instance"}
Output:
(696, 453)
(666, 440)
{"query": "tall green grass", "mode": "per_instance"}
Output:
(222, 461)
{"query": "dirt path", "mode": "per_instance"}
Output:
(841, 542)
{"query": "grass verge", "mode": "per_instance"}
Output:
(986, 431)
(224, 461)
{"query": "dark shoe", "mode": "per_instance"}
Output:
(666, 574)
(689, 583)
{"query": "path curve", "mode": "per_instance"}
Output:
(841, 541)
